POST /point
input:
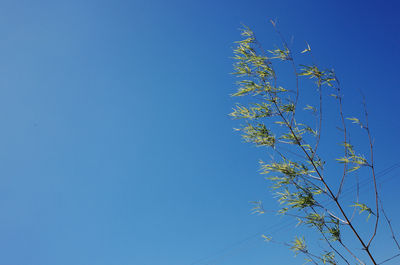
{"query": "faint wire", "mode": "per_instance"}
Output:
(286, 223)
(237, 243)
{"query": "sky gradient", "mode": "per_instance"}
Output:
(116, 144)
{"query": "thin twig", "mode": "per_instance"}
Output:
(389, 259)
(358, 196)
(338, 88)
(351, 253)
(390, 225)
(293, 66)
(373, 172)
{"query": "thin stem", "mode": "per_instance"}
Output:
(320, 121)
(344, 135)
(358, 196)
(390, 225)
(389, 259)
(351, 253)
(373, 173)
(291, 59)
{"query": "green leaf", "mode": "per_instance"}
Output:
(354, 120)
(363, 208)
(258, 207)
(308, 49)
(353, 169)
(343, 160)
(308, 107)
(299, 245)
(266, 238)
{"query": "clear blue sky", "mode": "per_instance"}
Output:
(115, 144)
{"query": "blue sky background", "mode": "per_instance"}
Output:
(115, 143)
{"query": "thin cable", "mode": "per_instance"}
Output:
(237, 243)
(285, 223)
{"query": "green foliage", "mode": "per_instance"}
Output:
(357, 161)
(266, 238)
(272, 120)
(315, 219)
(363, 208)
(299, 245)
(283, 54)
(259, 110)
(329, 258)
(334, 229)
(257, 208)
(258, 134)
